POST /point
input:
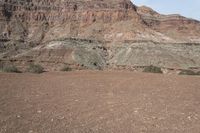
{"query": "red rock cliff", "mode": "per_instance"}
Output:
(112, 20)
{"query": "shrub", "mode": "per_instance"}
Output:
(35, 68)
(1, 66)
(66, 69)
(189, 72)
(10, 69)
(152, 69)
(198, 73)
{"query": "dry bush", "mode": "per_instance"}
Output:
(152, 69)
(35, 68)
(10, 69)
(66, 69)
(189, 72)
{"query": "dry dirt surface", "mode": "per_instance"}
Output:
(99, 102)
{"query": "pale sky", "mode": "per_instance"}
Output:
(188, 8)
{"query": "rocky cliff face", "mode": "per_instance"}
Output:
(174, 26)
(46, 20)
(94, 34)
(110, 20)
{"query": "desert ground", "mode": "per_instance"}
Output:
(99, 102)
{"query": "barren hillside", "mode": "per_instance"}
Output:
(95, 34)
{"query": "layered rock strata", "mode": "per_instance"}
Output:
(95, 34)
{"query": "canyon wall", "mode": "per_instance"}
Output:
(95, 34)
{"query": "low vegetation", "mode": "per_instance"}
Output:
(35, 68)
(198, 73)
(1, 66)
(10, 69)
(189, 72)
(152, 69)
(66, 69)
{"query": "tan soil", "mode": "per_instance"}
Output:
(100, 102)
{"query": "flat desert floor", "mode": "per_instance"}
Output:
(99, 102)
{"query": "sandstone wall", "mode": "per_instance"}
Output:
(35, 13)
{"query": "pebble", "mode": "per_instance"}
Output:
(61, 118)
(39, 111)
(30, 131)
(189, 117)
